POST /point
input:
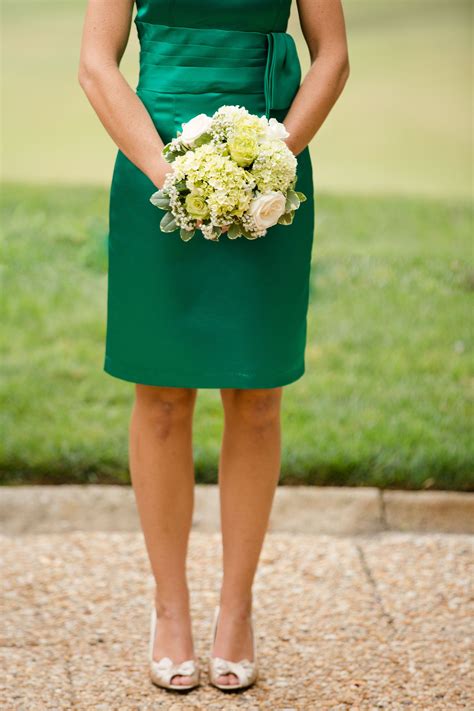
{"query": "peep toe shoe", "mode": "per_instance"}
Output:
(163, 670)
(245, 670)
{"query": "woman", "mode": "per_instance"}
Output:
(184, 315)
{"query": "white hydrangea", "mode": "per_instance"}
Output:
(227, 120)
(275, 166)
(207, 172)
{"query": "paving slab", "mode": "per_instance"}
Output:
(366, 622)
(296, 509)
(444, 511)
(428, 603)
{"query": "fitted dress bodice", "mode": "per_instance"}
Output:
(261, 16)
(221, 47)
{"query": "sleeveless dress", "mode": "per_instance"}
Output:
(204, 314)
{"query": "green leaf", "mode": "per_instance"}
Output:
(169, 153)
(292, 201)
(234, 231)
(168, 223)
(287, 218)
(301, 196)
(160, 199)
(186, 234)
(248, 235)
(202, 139)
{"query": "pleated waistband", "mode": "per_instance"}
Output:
(177, 60)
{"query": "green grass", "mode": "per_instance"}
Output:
(385, 397)
(402, 124)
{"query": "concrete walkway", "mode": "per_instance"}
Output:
(380, 621)
(296, 509)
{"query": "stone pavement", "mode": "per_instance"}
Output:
(334, 510)
(375, 621)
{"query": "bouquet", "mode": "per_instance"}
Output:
(230, 170)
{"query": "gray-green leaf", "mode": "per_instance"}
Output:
(234, 231)
(186, 234)
(248, 235)
(168, 223)
(160, 199)
(292, 201)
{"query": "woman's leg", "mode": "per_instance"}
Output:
(162, 473)
(249, 470)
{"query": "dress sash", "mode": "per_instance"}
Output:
(228, 61)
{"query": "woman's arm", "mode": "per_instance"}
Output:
(104, 39)
(322, 23)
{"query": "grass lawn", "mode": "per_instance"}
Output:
(385, 397)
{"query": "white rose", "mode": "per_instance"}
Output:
(276, 129)
(267, 209)
(194, 128)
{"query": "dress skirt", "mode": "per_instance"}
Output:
(202, 313)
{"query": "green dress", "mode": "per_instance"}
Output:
(208, 314)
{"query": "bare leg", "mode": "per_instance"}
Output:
(162, 473)
(249, 470)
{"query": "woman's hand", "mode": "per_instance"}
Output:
(289, 145)
(159, 173)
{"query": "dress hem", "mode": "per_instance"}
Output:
(200, 380)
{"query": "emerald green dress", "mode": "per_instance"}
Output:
(208, 314)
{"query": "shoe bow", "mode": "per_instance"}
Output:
(166, 669)
(243, 670)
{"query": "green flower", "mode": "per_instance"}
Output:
(243, 147)
(196, 206)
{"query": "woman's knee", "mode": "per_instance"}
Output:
(259, 407)
(164, 407)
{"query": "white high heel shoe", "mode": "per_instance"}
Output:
(162, 671)
(246, 671)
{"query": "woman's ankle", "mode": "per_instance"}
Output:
(173, 607)
(238, 606)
